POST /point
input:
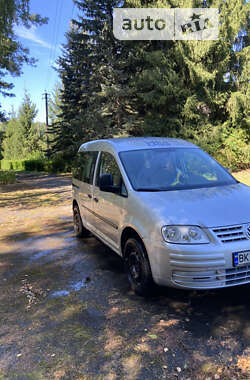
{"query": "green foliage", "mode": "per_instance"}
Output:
(2, 115)
(7, 177)
(26, 115)
(23, 165)
(230, 146)
(13, 142)
(2, 133)
(197, 90)
(55, 104)
(238, 109)
(12, 165)
(34, 165)
(23, 138)
(56, 165)
(236, 150)
(95, 83)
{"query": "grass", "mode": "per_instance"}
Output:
(7, 177)
(243, 176)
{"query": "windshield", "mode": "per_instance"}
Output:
(173, 169)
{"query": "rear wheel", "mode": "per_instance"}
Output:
(80, 230)
(138, 267)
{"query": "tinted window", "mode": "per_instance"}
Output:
(84, 166)
(173, 169)
(108, 165)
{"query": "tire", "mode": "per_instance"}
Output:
(138, 267)
(80, 230)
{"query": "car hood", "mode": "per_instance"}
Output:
(207, 207)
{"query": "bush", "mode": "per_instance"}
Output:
(26, 165)
(236, 151)
(7, 177)
(12, 165)
(34, 165)
(55, 165)
(229, 146)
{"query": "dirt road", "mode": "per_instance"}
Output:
(66, 310)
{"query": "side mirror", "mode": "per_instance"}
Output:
(106, 182)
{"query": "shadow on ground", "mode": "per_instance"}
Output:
(35, 191)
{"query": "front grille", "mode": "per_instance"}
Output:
(230, 233)
(219, 278)
(238, 275)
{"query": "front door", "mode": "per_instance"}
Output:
(109, 208)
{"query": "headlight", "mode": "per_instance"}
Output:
(184, 235)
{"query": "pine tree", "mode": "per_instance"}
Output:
(13, 142)
(22, 136)
(26, 115)
(55, 103)
(94, 77)
(112, 65)
(182, 86)
(2, 133)
(74, 81)
(192, 89)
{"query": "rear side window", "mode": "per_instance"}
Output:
(84, 166)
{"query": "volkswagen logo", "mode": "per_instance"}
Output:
(247, 231)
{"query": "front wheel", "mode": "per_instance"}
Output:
(138, 267)
(80, 230)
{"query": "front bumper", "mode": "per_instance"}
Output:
(204, 266)
(212, 279)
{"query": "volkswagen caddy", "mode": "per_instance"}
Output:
(175, 215)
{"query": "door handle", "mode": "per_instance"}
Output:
(90, 196)
(96, 200)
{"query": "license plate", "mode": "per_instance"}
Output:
(241, 258)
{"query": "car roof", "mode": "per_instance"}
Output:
(135, 143)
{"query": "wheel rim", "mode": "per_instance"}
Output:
(134, 266)
(77, 222)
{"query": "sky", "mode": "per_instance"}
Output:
(45, 44)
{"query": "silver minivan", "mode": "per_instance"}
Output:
(176, 216)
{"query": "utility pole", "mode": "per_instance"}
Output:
(46, 107)
(47, 119)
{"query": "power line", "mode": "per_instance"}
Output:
(58, 28)
(52, 44)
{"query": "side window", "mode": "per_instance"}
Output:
(85, 166)
(76, 167)
(108, 165)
